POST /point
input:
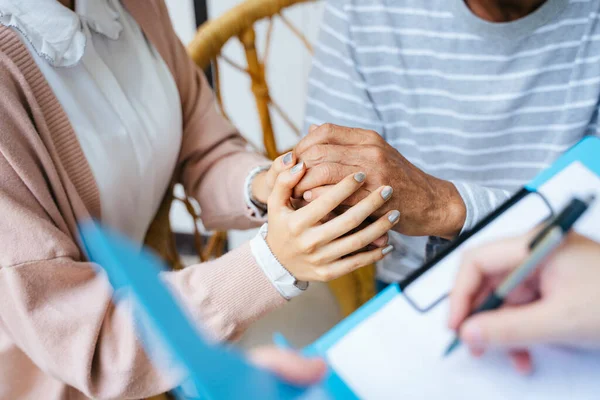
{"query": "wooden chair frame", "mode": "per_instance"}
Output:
(352, 290)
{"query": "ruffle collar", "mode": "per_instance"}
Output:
(56, 32)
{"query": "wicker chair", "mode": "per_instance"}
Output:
(350, 291)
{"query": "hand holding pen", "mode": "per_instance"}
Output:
(555, 304)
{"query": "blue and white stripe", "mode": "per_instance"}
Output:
(486, 106)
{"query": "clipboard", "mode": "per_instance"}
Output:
(424, 298)
(210, 371)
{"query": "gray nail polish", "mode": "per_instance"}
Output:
(297, 168)
(387, 250)
(386, 193)
(287, 159)
(360, 177)
(394, 216)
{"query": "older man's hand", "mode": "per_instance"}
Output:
(429, 206)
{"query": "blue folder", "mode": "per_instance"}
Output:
(213, 371)
(219, 373)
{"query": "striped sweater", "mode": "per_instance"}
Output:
(484, 105)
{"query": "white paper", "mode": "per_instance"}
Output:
(519, 219)
(397, 352)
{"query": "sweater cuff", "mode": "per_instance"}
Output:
(227, 294)
(479, 202)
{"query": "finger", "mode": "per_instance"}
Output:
(497, 257)
(289, 365)
(381, 241)
(333, 153)
(284, 162)
(359, 240)
(281, 163)
(318, 209)
(356, 215)
(512, 327)
(333, 134)
(322, 175)
(522, 362)
(313, 194)
(284, 184)
(349, 264)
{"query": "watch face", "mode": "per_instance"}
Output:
(302, 285)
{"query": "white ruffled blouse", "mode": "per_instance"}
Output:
(119, 95)
(123, 104)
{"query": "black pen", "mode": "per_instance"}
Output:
(541, 246)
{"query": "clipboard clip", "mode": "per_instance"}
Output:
(431, 301)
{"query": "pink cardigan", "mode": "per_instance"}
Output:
(60, 334)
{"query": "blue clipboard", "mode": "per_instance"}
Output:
(586, 152)
(213, 371)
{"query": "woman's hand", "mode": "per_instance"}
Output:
(289, 365)
(315, 251)
(263, 183)
(559, 304)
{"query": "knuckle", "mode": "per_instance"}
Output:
(374, 135)
(356, 264)
(294, 227)
(502, 335)
(378, 156)
(324, 274)
(308, 246)
(316, 259)
(354, 220)
(326, 173)
(327, 129)
(357, 243)
(316, 154)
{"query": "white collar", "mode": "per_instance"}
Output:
(56, 32)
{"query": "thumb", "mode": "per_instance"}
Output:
(279, 165)
(289, 365)
(284, 185)
(511, 327)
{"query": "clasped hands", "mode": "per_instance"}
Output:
(428, 206)
(355, 188)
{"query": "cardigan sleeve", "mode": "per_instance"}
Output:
(59, 312)
(215, 159)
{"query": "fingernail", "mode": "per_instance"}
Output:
(394, 216)
(360, 177)
(386, 193)
(472, 334)
(307, 195)
(287, 159)
(312, 127)
(297, 168)
(387, 250)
